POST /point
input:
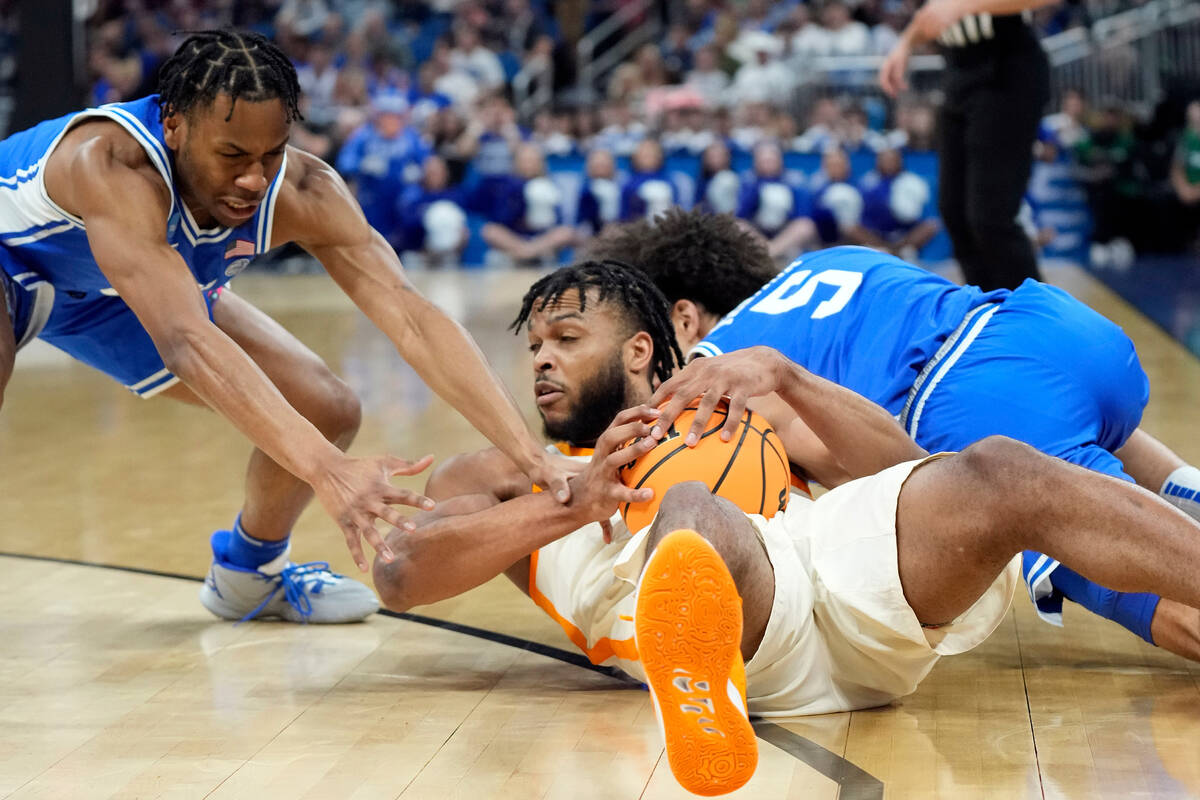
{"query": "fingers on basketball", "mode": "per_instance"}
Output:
(751, 470)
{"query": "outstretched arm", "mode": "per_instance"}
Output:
(128, 241)
(318, 212)
(472, 538)
(831, 432)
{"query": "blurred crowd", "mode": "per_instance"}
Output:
(411, 102)
(1140, 174)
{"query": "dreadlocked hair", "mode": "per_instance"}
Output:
(709, 259)
(241, 64)
(630, 291)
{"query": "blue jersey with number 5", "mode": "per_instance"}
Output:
(861, 318)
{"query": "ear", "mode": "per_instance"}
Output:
(685, 315)
(173, 130)
(639, 352)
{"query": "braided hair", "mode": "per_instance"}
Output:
(710, 259)
(241, 64)
(637, 299)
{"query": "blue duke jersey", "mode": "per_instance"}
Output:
(860, 318)
(56, 289)
(956, 364)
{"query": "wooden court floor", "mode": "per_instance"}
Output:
(114, 682)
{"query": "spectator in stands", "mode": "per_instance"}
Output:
(894, 212)
(460, 86)
(649, 190)
(1185, 169)
(600, 197)
(432, 216)
(824, 124)
(1105, 155)
(445, 130)
(719, 188)
(836, 203)
(423, 97)
(351, 101)
(752, 123)
(1065, 129)
(808, 38)
(918, 123)
(380, 158)
(856, 136)
(551, 132)
(707, 78)
(846, 35)
(527, 218)
(471, 57)
(763, 76)
(776, 207)
(585, 125)
(490, 142)
(522, 27)
(676, 55)
(838, 34)
(621, 132)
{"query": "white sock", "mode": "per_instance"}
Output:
(1182, 490)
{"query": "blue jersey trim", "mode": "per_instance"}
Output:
(23, 175)
(940, 364)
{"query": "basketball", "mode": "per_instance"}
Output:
(750, 470)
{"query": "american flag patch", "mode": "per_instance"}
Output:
(239, 249)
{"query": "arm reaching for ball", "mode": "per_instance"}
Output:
(468, 543)
(832, 433)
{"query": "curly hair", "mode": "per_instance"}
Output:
(710, 259)
(630, 291)
(241, 64)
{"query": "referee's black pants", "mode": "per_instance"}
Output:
(987, 127)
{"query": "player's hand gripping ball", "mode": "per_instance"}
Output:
(750, 470)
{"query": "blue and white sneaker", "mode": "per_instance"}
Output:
(308, 592)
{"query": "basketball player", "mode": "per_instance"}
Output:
(953, 364)
(846, 602)
(997, 83)
(120, 225)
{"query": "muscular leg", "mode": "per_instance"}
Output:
(275, 497)
(691, 505)
(1147, 460)
(961, 519)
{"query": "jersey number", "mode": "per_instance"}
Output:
(797, 290)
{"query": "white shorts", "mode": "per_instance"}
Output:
(840, 636)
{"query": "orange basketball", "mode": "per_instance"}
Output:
(750, 470)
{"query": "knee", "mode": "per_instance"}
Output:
(1003, 474)
(691, 505)
(995, 459)
(340, 410)
(684, 503)
(391, 578)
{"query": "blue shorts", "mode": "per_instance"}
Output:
(98, 329)
(1044, 369)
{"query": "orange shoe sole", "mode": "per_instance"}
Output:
(688, 628)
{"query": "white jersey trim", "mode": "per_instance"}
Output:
(135, 128)
(943, 360)
(266, 215)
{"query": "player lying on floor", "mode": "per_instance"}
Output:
(952, 363)
(846, 602)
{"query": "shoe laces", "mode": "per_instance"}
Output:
(298, 581)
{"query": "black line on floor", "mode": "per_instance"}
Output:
(854, 783)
